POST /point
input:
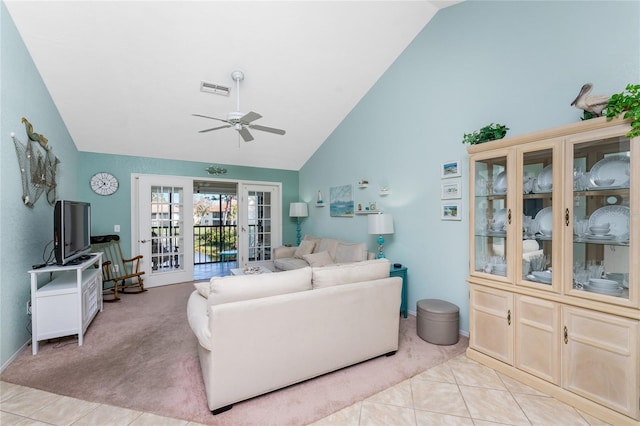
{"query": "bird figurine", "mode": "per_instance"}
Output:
(36, 137)
(591, 104)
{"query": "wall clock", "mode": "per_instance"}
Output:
(104, 183)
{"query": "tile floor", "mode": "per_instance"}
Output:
(458, 392)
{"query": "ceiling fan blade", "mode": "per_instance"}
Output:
(214, 128)
(249, 117)
(267, 129)
(212, 118)
(245, 134)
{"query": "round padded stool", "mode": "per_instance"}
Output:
(438, 321)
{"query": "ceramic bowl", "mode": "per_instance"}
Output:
(599, 230)
(603, 182)
(602, 283)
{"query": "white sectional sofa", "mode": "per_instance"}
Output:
(316, 251)
(259, 333)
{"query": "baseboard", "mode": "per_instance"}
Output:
(14, 356)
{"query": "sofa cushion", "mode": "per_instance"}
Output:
(289, 263)
(367, 270)
(327, 244)
(203, 288)
(244, 287)
(318, 259)
(305, 247)
(350, 252)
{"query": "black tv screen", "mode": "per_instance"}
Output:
(71, 230)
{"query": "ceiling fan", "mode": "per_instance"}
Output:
(238, 120)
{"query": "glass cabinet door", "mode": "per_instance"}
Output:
(491, 217)
(601, 226)
(536, 204)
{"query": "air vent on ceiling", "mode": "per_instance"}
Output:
(214, 88)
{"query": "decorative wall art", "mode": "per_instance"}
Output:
(450, 190)
(450, 169)
(451, 211)
(341, 201)
(37, 166)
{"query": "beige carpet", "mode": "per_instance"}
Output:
(140, 354)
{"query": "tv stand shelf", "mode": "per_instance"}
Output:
(67, 304)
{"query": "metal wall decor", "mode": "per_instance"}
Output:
(213, 170)
(37, 166)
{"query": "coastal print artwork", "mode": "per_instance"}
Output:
(450, 211)
(450, 169)
(341, 201)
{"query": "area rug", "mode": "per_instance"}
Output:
(140, 354)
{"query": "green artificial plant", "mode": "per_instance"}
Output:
(629, 103)
(488, 133)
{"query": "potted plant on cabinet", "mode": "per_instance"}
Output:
(488, 133)
(627, 102)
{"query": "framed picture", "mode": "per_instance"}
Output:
(450, 190)
(450, 169)
(341, 201)
(451, 211)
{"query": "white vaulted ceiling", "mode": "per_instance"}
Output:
(125, 75)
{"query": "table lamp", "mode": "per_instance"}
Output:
(298, 210)
(380, 224)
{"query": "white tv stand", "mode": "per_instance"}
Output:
(67, 304)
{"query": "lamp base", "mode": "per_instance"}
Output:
(298, 231)
(380, 254)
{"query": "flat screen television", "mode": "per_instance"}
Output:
(71, 231)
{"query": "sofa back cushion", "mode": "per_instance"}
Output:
(350, 252)
(246, 287)
(327, 276)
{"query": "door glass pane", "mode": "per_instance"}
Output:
(491, 216)
(259, 215)
(166, 225)
(537, 191)
(601, 217)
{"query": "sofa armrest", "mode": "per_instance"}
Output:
(283, 252)
(199, 320)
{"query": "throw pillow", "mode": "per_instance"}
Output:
(202, 288)
(318, 259)
(346, 273)
(327, 244)
(351, 252)
(245, 287)
(305, 247)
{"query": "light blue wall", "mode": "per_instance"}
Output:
(116, 208)
(517, 63)
(24, 231)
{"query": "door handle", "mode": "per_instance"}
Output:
(144, 241)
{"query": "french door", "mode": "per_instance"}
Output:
(260, 226)
(164, 230)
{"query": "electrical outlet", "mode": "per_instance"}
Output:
(116, 268)
(116, 228)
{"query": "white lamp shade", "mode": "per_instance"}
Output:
(380, 224)
(298, 210)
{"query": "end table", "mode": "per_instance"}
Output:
(402, 273)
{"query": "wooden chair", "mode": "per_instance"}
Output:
(123, 273)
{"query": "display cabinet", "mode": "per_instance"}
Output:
(554, 263)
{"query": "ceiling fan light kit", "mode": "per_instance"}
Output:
(240, 121)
